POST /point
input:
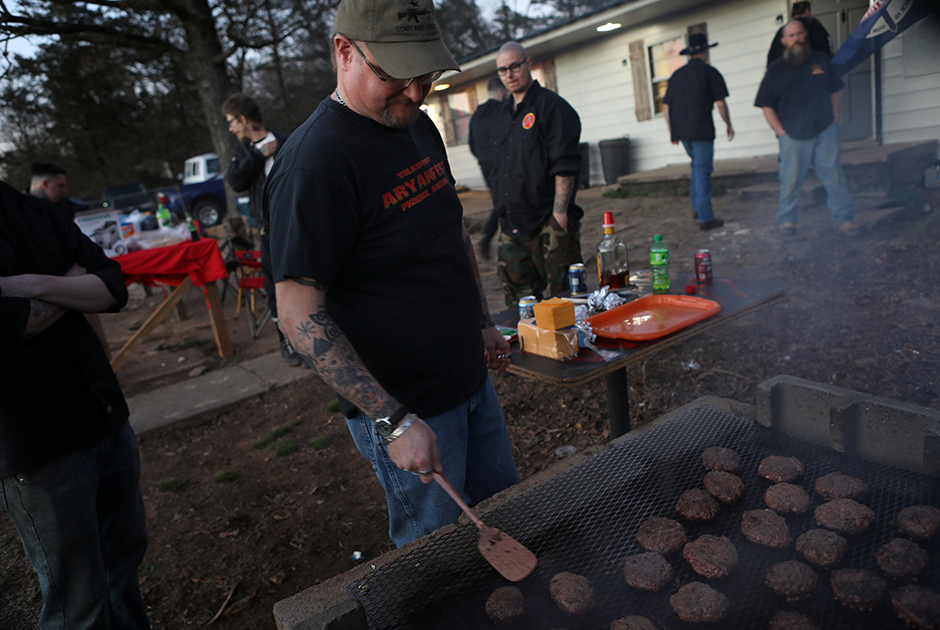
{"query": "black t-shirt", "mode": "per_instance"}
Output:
(58, 393)
(800, 95)
(532, 145)
(690, 95)
(478, 131)
(372, 214)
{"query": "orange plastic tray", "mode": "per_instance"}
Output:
(652, 317)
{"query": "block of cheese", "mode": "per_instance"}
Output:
(554, 314)
(554, 344)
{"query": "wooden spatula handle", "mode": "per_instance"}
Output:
(441, 479)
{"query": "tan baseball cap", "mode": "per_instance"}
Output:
(402, 35)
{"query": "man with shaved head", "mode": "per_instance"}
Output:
(800, 99)
(536, 145)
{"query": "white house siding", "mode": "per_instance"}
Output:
(911, 105)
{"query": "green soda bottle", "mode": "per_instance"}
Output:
(659, 262)
(164, 218)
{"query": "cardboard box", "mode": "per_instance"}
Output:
(554, 314)
(554, 344)
(103, 227)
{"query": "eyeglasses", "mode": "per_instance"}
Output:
(513, 67)
(399, 84)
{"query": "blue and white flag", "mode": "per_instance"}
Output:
(884, 20)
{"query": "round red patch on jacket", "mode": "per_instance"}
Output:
(528, 121)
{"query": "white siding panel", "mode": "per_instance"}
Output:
(911, 105)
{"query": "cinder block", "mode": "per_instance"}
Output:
(875, 429)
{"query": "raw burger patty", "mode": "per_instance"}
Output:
(918, 606)
(791, 579)
(632, 623)
(902, 558)
(696, 602)
(711, 556)
(721, 458)
(765, 527)
(571, 592)
(838, 486)
(822, 547)
(858, 588)
(844, 516)
(920, 522)
(697, 505)
(724, 486)
(789, 620)
(663, 535)
(505, 605)
(787, 498)
(778, 468)
(647, 571)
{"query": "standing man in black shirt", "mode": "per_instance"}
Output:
(250, 165)
(479, 130)
(816, 34)
(48, 182)
(69, 464)
(536, 140)
(692, 92)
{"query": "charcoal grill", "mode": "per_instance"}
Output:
(585, 521)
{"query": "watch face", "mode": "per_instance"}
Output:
(384, 427)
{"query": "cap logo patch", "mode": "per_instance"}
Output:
(413, 14)
(529, 121)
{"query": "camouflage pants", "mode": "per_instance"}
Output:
(529, 265)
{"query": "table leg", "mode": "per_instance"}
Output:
(618, 402)
(217, 316)
(151, 324)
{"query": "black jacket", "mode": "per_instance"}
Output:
(246, 172)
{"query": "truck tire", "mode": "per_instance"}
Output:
(208, 212)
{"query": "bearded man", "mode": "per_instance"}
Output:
(801, 102)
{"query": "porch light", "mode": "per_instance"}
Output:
(610, 26)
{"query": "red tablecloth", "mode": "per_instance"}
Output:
(200, 260)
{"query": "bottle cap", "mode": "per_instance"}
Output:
(690, 289)
(608, 220)
(658, 238)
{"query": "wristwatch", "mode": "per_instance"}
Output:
(385, 427)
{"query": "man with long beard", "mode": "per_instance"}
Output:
(800, 98)
(376, 278)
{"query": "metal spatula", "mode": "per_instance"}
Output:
(509, 557)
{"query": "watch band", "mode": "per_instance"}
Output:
(400, 430)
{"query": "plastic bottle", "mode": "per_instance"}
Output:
(164, 218)
(613, 267)
(659, 262)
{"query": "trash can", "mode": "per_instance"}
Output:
(615, 158)
(585, 176)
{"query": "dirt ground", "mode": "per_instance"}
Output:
(254, 505)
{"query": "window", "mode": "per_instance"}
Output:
(460, 112)
(664, 60)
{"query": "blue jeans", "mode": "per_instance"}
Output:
(475, 453)
(700, 184)
(81, 520)
(823, 153)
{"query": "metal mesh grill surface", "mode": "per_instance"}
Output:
(585, 521)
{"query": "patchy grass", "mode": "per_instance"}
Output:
(285, 447)
(224, 476)
(319, 442)
(624, 193)
(271, 436)
(334, 406)
(172, 484)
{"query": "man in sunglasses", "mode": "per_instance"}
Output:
(376, 279)
(536, 147)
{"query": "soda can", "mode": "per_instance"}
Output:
(578, 279)
(703, 266)
(527, 307)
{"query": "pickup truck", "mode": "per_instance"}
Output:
(202, 191)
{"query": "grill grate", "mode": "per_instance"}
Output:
(585, 521)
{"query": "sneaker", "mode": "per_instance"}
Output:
(289, 354)
(849, 229)
(710, 225)
(788, 229)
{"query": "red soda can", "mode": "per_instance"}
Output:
(703, 267)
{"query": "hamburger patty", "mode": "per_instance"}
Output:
(571, 592)
(505, 604)
(721, 458)
(789, 620)
(724, 486)
(647, 571)
(917, 606)
(844, 516)
(697, 505)
(858, 588)
(663, 535)
(696, 602)
(920, 522)
(632, 622)
(902, 558)
(711, 556)
(765, 527)
(791, 579)
(778, 468)
(838, 486)
(822, 547)
(787, 498)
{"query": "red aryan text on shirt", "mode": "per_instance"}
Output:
(417, 188)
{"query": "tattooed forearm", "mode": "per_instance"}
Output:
(564, 189)
(41, 316)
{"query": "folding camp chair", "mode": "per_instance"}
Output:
(251, 281)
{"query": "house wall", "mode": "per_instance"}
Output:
(911, 104)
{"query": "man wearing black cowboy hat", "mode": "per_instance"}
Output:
(692, 92)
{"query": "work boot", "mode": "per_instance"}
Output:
(849, 229)
(710, 225)
(288, 353)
